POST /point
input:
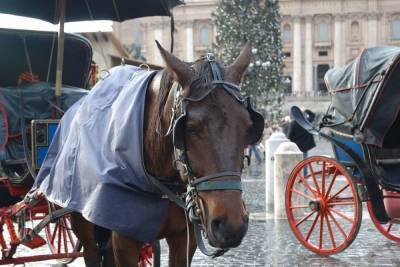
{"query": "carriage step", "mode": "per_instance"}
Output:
(35, 242)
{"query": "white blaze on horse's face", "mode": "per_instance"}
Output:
(215, 138)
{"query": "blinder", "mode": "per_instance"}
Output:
(257, 129)
(178, 132)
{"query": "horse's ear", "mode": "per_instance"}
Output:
(180, 71)
(235, 71)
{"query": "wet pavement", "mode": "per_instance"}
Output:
(271, 243)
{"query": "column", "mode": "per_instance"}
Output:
(214, 33)
(372, 27)
(338, 48)
(308, 58)
(373, 5)
(296, 84)
(189, 42)
(158, 35)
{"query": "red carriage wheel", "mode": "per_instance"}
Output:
(390, 230)
(322, 205)
(150, 255)
(61, 239)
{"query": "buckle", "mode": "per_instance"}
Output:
(210, 57)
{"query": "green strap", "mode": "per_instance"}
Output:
(219, 185)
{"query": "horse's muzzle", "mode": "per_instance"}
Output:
(224, 235)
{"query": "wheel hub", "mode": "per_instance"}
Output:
(315, 205)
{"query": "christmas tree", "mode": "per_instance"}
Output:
(257, 22)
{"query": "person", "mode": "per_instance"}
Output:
(254, 148)
(303, 139)
(284, 124)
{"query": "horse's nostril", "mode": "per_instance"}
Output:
(216, 225)
(225, 235)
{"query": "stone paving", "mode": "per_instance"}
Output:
(271, 243)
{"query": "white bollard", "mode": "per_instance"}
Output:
(286, 157)
(271, 145)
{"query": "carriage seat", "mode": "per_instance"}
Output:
(13, 162)
(387, 156)
(388, 167)
(388, 161)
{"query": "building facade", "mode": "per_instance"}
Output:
(316, 35)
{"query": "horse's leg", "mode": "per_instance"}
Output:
(174, 229)
(178, 249)
(126, 251)
(84, 231)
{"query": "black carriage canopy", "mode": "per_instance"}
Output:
(35, 52)
(366, 94)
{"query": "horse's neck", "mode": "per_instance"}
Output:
(158, 149)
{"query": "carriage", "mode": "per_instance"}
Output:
(324, 195)
(31, 104)
(27, 122)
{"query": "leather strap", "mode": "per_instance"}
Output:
(165, 190)
(214, 67)
(206, 183)
(51, 217)
(213, 176)
(200, 243)
(219, 185)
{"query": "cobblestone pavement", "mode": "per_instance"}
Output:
(271, 243)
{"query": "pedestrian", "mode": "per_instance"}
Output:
(254, 148)
(303, 139)
(285, 124)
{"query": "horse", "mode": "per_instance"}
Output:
(212, 129)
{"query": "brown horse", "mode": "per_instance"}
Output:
(215, 132)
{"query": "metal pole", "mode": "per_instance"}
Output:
(60, 49)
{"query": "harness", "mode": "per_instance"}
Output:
(193, 204)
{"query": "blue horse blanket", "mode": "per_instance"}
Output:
(95, 164)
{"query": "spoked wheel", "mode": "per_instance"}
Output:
(150, 255)
(61, 239)
(390, 230)
(322, 205)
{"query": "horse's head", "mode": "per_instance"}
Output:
(211, 125)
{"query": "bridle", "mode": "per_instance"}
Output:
(210, 182)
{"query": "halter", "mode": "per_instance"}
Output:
(193, 203)
(208, 182)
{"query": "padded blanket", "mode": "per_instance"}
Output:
(95, 163)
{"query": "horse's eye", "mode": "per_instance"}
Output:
(191, 129)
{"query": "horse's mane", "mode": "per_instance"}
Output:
(200, 81)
